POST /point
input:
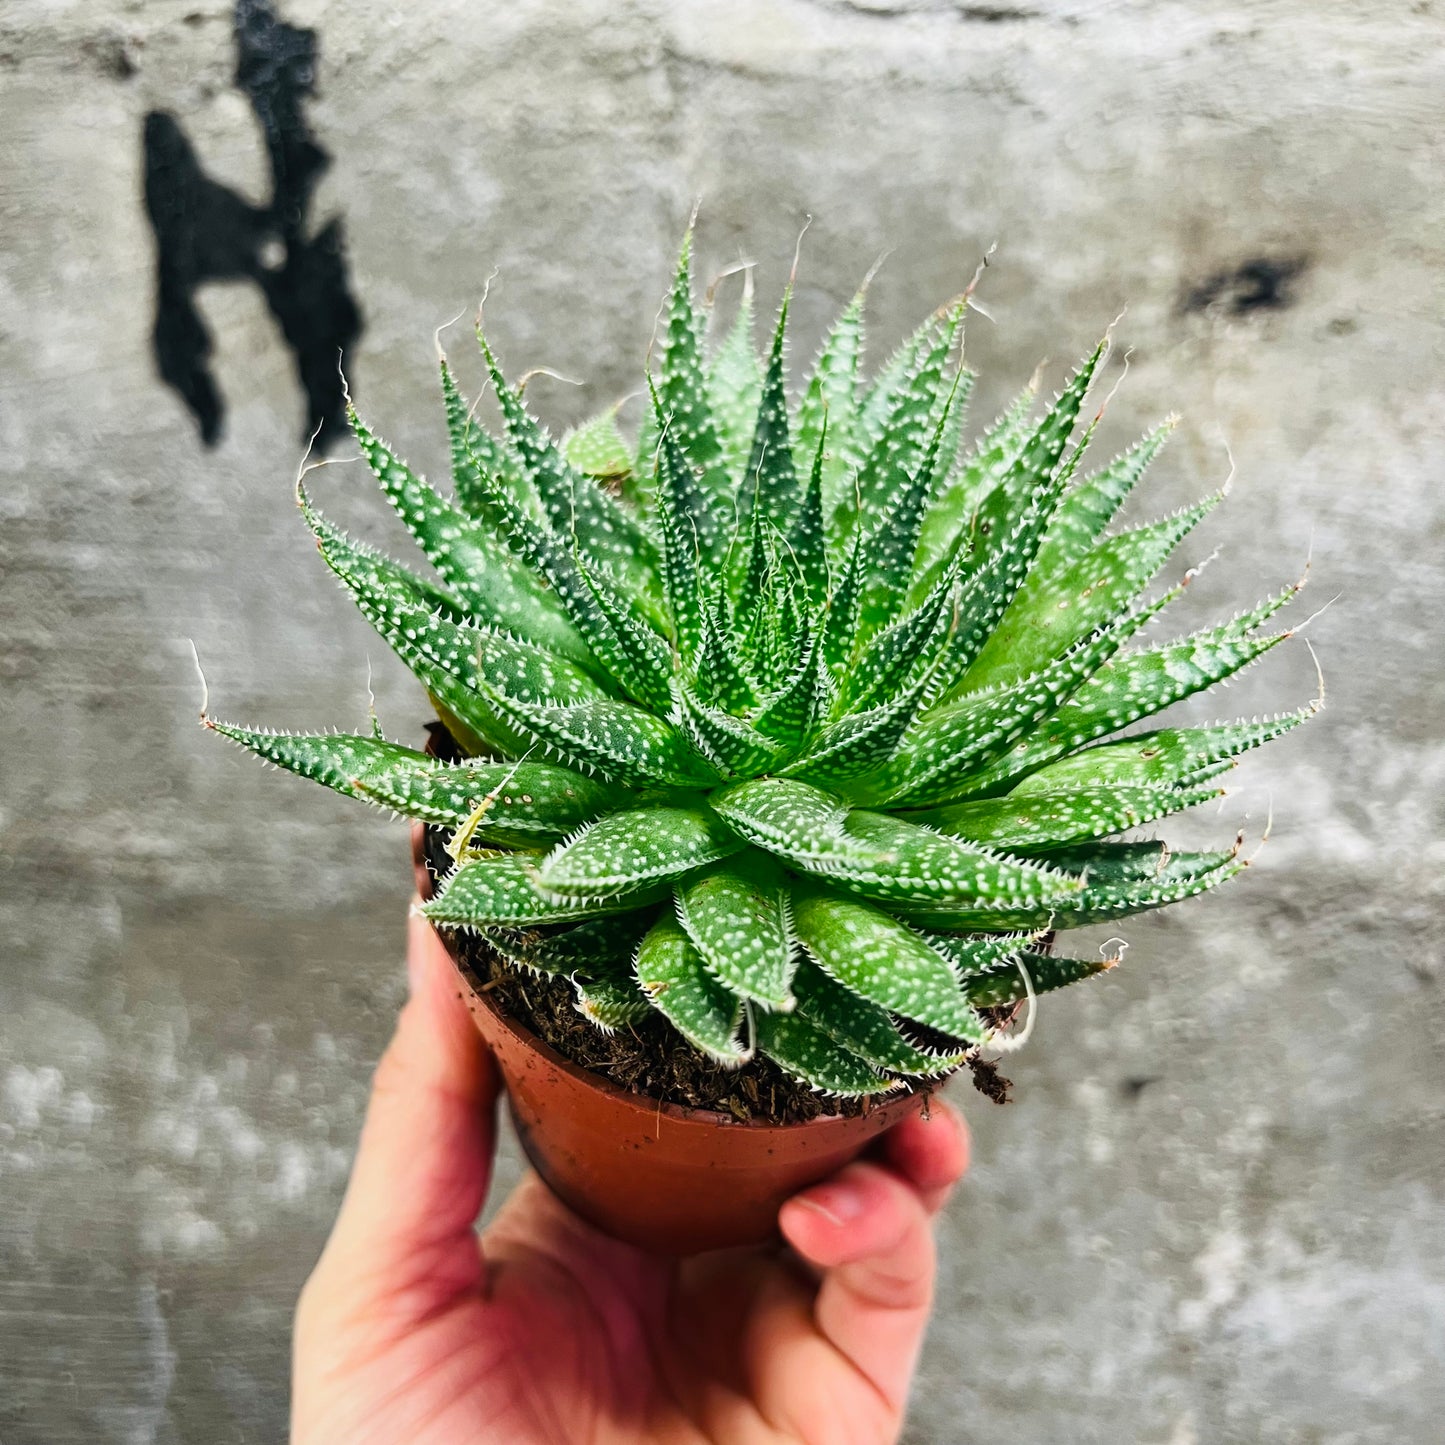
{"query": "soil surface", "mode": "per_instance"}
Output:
(650, 1057)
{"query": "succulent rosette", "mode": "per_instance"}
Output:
(796, 721)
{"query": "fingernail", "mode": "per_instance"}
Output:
(415, 969)
(418, 936)
(837, 1203)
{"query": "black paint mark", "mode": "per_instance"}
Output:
(1262, 284)
(1133, 1086)
(113, 55)
(206, 232)
(996, 14)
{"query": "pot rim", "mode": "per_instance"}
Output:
(641, 1103)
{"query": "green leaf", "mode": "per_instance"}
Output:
(1045, 619)
(824, 688)
(472, 743)
(524, 947)
(1039, 819)
(840, 627)
(1122, 879)
(720, 677)
(735, 385)
(431, 645)
(689, 539)
(576, 506)
(472, 447)
(617, 637)
(860, 743)
(888, 858)
(597, 449)
(594, 956)
(619, 741)
(1251, 620)
(755, 597)
(638, 654)
(445, 655)
(809, 543)
(953, 413)
(503, 891)
(595, 948)
(1126, 689)
(801, 1049)
(349, 558)
(971, 956)
(1009, 523)
(639, 489)
(894, 543)
(900, 447)
(734, 747)
(782, 815)
(830, 404)
(789, 715)
(788, 633)
(526, 804)
(861, 1027)
(882, 395)
(1105, 897)
(1164, 758)
(626, 851)
(987, 592)
(775, 632)
(335, 760)
(884, 961)
(1118, 864)
(974, 729)
(1028, 479)
(346, 762)
(872, 853)
(737, 917)
(770, 481)
(611, 1003)
(1003, 984)
(470, 557)
(1090, 506)
(684, 389)
(672, 974)
(952, 512)
(902, 650)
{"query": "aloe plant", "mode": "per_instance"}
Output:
(793, 721)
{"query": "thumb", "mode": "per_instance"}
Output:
(424, 1161)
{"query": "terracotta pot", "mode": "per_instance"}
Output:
(670, 1179)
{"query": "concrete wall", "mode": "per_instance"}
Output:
(1215, 1211)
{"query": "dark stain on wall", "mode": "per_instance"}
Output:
(206, 232)
(1261, 284)
(996, 14)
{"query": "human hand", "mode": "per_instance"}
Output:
(546, 1332)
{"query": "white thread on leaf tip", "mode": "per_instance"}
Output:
(436, 335)
(205, 688)
(798, 251)
(1012, 1043)
(1300, 626)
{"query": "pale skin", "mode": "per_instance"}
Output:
(544, 1332)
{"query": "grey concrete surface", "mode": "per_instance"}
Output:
(1214, 1213)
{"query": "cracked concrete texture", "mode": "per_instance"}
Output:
(1215, 1212)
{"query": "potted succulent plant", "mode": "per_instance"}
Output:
(771, 746)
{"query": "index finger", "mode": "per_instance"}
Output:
(424, 1160)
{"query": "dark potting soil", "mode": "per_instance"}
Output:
(650, 1057)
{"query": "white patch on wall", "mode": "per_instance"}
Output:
(1220, 1267)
